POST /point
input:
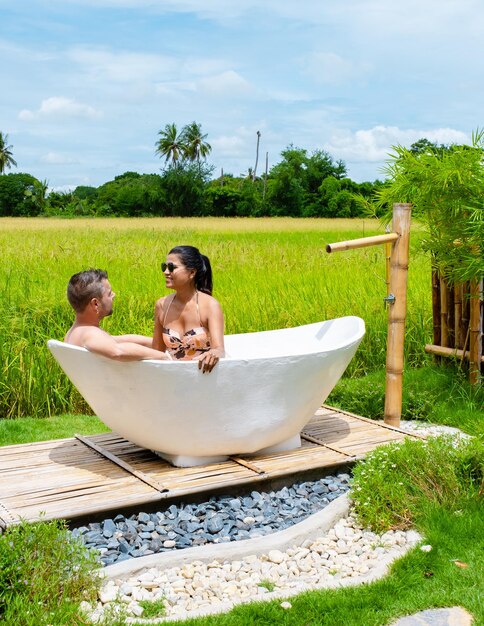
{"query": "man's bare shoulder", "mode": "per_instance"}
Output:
(80, 335)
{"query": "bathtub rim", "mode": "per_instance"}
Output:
(357, 336)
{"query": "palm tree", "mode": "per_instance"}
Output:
(6, 158)
(170, 145)
(195, 144)
(256, 156)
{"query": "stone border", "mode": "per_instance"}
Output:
(377, 573)
(310, 528)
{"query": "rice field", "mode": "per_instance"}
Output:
(268, 273)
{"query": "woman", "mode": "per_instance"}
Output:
(189, 324)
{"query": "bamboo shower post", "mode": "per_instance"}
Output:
(397, 314)
(397, 301)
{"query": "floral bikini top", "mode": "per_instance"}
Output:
(191, 344)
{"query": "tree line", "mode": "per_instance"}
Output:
(301, 184)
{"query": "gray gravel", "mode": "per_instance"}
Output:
(220, 519)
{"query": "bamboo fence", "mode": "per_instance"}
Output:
(458, 324)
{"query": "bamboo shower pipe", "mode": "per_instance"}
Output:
(397, 301)
(388, 256)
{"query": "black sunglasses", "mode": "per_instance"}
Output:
(171, 267)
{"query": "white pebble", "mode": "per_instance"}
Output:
(108, 594)
(276, 556)
(426, 548)
(344, 553)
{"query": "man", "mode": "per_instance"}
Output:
(91, 297)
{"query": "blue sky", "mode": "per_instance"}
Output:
(87, 84)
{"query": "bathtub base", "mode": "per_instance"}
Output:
(184, 460)
(288, 444)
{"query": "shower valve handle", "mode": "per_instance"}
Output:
(387, 300)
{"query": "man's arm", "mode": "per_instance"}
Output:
(140, 339)
(100, 342)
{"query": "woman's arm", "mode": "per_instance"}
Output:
(215, 324)
(158, 343)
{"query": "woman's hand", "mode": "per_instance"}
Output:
(208, 360)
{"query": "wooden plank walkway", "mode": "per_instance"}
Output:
(65, 478)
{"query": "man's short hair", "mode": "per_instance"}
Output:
(84, 286)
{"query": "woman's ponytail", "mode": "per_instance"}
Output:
(203, 278)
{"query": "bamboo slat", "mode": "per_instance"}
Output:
(321, 443)
(444, 313)
(126, 466)
(248, 465)
(459, 332)
(476, 330)
(449, 352)
(67, 479)
(436, 307)
(451, 317)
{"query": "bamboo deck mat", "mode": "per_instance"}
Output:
(65, 478)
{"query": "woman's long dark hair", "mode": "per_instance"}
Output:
(193, 259)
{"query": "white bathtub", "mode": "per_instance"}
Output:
(257, 399)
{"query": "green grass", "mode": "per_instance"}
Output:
(268, 273)
(394, 485)
(152, 608)
(27, 429)
(44, 575)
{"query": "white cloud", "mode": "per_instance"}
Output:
(387, 18)
(202, 67)
(60, 106)
(242, 143)
(25, 115)
(124, 67)
(232, 145)
(175, 88)
(227, 83)
(216, 9)
(62, 188)
(56, 158)
(330, 68)
(375, 143)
